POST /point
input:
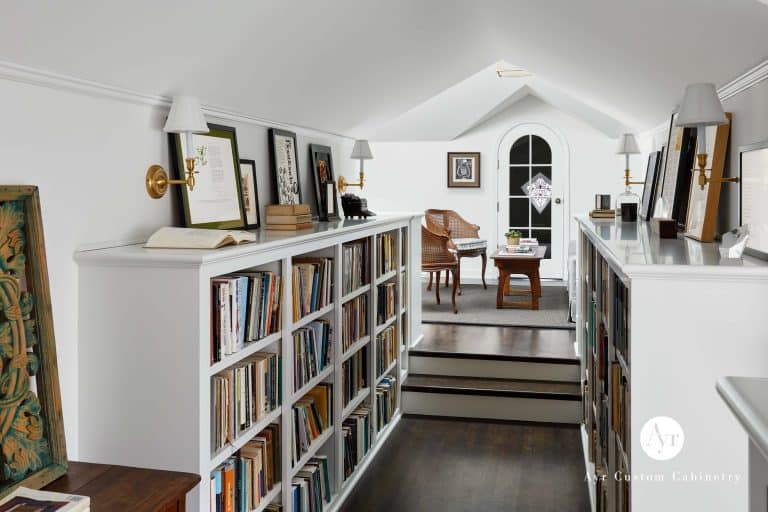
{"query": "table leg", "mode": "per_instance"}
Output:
(503, 283)
(484, 257)
(533, 277)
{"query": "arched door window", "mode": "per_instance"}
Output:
(530, 188)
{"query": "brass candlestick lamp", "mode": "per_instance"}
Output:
(361, 151)
(701, 107)
(185, 118)
(628, 146)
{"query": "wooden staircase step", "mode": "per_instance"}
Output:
(447, 384)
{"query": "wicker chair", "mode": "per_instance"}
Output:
(461, 232)
(437, 256)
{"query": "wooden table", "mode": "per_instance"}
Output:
(121, 488)
(525, 264)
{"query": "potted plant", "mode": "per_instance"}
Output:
(513, 237)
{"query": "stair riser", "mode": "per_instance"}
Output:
(493, 369)
(492, 407)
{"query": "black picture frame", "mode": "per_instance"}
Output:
(321, 159)
(178, 167)
(286, 182)
(648, 201)
(680, 187)
(757, 146)
(249, 191)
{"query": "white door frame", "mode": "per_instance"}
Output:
(558, 143)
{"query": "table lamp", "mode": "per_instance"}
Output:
(185, 118)
(360, 151)
(628, 146)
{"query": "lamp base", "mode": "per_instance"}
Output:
(157, 182)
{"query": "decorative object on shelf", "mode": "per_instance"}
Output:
(289, 217)
(602, 201)
(648, 201)
(513, 237)
(215, 202)
(185, 118)
(734, 242)
(665, 228)
(463, 170)
(701, 220)
(31, 423)
(250, 194)
(285, 166)
(676, 173)
(360, 151)
(354, 206)
(629, 210)
(325, 187)
(753, 191)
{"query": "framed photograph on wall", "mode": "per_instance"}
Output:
(285, 166)
(753, 192)
(250, 194)
(463, 170)
(216, 201)
(325, 184)
(649, 190)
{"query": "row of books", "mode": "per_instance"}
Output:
(354, 375)
(356, 433)
(311, 487)
(386, 349)
(385, 303)
(244, 307)
(386, 401)
(355, 273)
(312, 351)
(619, 402)
(620, 319)
(312, 285)
(311, 416)
(243, 395)
(354, 319)
(386, 255)
(241, 482)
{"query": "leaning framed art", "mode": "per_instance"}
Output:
(463, 170)
(678, 162)
(325, 184)
(649, 189)
(250, 194)
(285, 166)
(753, 191)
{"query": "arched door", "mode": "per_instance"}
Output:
(532, 191)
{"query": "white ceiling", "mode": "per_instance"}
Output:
(347, 65)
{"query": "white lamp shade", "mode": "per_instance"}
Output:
(185, 116)
(361, 150)
(700, 106)
(627, 145)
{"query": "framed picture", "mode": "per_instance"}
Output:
(463, 170)
(32, 437)
(285, 166)
(649, 190)
(753, 197)
(678, 163)
(701, 219)
(325, 183)
(250, 194)
(216, 201)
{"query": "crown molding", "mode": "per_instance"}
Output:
(41, 78)
(749, 78)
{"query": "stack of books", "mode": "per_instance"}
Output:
(311, 351)
(311, 416)
(354, 319)
(357, 438)
(25, 499)
(385, 349)
(289, 217)
(311, 487)
(386, 401)
(602, 214)
(312, 286)
(355, 375)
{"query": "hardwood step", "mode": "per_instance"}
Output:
(448, 384)
(493, 366)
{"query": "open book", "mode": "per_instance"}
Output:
(45, 501)
(193, 238)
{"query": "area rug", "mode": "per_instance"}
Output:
(478, 307)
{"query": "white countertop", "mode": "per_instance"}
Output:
(747, 397)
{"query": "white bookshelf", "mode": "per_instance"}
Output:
(145, 364)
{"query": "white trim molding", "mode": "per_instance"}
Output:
(749, 78)
(41, 78)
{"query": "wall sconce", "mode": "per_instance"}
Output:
(628, 146)
(701, 107)
(185, 118)
(361, 151)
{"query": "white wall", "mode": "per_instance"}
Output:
(412, 175)
(88, 154)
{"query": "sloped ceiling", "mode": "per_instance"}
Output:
(346, 65)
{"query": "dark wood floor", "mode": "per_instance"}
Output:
(494, 340)
(431, 464)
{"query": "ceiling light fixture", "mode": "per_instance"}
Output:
(504, 70)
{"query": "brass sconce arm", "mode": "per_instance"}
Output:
(158, 182)
(342, 183)
(628, 181)
(703, 179)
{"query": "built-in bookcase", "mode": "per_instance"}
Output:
(332, 285)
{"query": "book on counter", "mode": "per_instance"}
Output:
(195, 238)
(602, 214)
(289, 217)
(24, 499)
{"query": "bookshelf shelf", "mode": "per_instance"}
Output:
(386, 372)
(355, 347)
(270, 497)
(355, 403)
(251, 348)
(222, 454)
(178, 433)
(360, 291)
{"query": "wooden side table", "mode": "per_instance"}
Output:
(527, 265)
(122, 488)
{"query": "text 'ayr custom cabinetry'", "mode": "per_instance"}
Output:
(271, 369)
